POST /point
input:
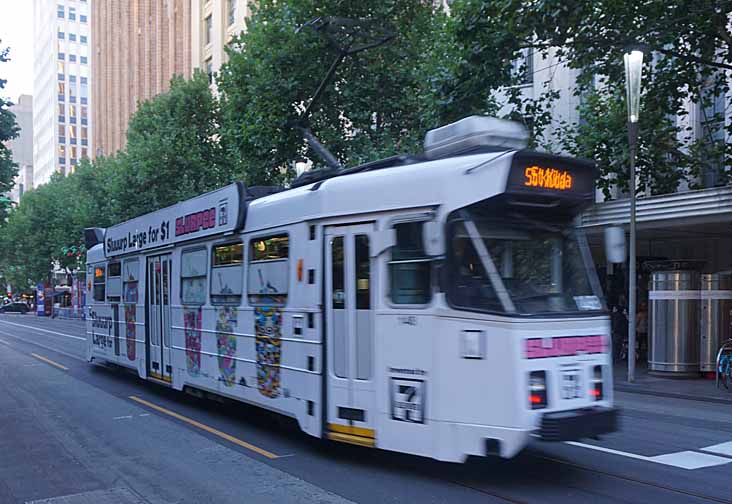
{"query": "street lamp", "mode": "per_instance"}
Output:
(633, 73)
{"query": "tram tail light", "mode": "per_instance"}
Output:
(537, 389)
(596, 392)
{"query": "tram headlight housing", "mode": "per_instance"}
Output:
(596, 391)
(537, 389)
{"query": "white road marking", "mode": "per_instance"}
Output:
(144, 414)
(721, 448)
(683, 460)
(44, 346)
(4, 342)
(123, 417)
(44, 330)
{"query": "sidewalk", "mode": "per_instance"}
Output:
(695, 389)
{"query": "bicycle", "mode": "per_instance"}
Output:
(724, 365)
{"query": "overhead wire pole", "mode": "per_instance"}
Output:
(352, 29)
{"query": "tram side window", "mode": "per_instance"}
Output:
(193, 277)
(267, 277)
(99, 283)
(410, 266)
(114, 281)
(227, 272)
(131, 273)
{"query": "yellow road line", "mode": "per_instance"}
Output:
(49, 361)
(206, 428)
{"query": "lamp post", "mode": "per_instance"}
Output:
(633, 71)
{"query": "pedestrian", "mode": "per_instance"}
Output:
(619, 328)
(641, 329)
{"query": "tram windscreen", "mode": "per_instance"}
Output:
(520, 268)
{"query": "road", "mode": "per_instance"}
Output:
(72, 432)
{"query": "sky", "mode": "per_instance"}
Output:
(16, 32)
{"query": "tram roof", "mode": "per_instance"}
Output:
(447, 181)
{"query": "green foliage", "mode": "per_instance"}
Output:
(685, 40)
(8, 130)
(172, 151)
(172, 154)
(373, 107)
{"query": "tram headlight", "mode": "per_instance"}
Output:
(537, 389)
(596, 384)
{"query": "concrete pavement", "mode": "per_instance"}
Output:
(77, 431)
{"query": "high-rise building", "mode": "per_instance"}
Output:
(138, 46)
(22, 146)
(61, 82)
(215, 23)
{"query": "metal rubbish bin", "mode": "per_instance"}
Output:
(674, 323)
(716, 316)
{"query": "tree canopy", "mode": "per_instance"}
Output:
(8, 130)
(372, 108)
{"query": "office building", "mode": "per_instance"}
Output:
(138, 45)
(215, 24)
(22, 146)
(62, 125)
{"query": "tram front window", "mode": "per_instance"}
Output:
(519, 268)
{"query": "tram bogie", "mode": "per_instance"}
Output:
(443, 306)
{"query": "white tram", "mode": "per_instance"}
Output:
(441, 305)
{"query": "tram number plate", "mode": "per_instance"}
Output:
(571, 387)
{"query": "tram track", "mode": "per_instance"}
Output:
(638, 481)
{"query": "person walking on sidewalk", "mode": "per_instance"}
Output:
(641, 329)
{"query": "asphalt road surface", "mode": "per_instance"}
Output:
(72, 432)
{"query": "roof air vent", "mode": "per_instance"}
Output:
(472, 133)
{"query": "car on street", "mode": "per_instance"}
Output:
(21, 308)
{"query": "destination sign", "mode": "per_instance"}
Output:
(542, 174)
(549, 178)
(211, 213)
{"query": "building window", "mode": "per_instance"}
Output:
(60, 76)
(523, 67)
(61, 109)
(231, 11)
(209, 70)
(72, 14)
(62, 160)
(61, 35)
(72, 78)
(61, 56)
(84, 80)
(83, 100)
(712, 110)
(84, 154)
(72, 58)
(82, 39)
(208, 24)
(72, 37)
(61, 88)
(83, 60)
(84, 139)
(60, 11)
(82, 18)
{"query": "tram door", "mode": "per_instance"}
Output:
(350, 290)
(157, 327)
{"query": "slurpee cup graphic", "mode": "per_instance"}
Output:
(192, 331)
(130, 331)
(268, 332)
(226, 344)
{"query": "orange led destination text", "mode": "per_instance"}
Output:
(548, 178)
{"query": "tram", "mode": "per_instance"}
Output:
(442, 305)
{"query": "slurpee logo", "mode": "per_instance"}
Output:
(539, 348)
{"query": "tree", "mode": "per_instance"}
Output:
(8, 130)
(173, 151)
(688, 45)
(371, 109)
